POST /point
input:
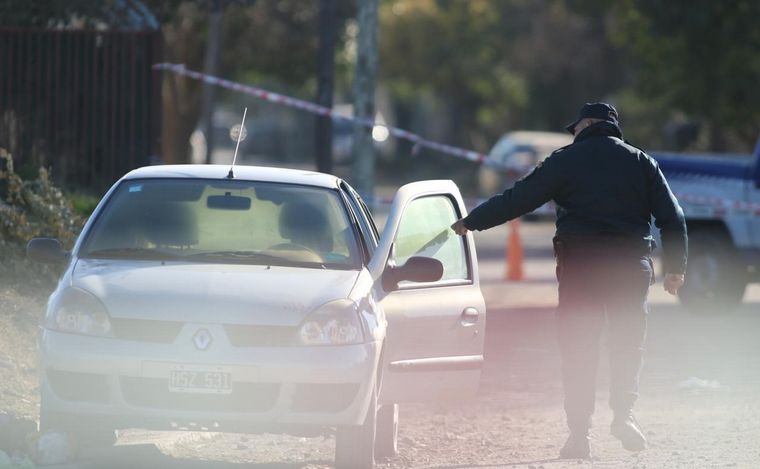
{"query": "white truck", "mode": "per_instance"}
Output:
(720, 196)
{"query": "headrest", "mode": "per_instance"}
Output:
(171, 224)
(305, 223)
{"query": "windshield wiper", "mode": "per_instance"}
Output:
(130, 253)
(252, 257)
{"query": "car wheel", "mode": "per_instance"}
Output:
(86, 433)
(386, 437)
(355, 444)
(715, 282)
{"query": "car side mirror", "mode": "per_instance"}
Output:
(46, 251)
(415, 269)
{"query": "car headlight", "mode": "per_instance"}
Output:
(335, 323)
(79, 312)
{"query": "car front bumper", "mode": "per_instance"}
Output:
(126, 383)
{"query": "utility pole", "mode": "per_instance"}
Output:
(325, 83)
(211, 67)
(363, 151)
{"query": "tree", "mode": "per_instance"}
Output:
(364, 98)
(112, 14)
(701, 58)
(264, 43)
(499, 65)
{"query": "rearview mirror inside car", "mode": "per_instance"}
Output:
(46, 251)
(228, 202)
(415, 269)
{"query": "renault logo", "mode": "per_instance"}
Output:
(202, 339)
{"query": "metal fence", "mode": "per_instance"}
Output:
(84, 103)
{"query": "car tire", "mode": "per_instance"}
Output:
(386, 436)
(714, 281)
(86, 433)
(355, 444)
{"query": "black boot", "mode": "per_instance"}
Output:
(576, 447)
(625, 428)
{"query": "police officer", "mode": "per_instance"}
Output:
(606, 192)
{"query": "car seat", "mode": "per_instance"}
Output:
(170, 224)
(306, 224)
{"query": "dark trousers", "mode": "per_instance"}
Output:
(599, 284)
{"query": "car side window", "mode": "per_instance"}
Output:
(425, 230)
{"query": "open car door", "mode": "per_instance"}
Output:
(435, 335)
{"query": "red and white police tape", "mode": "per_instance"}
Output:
(713, 206)
(260, 93)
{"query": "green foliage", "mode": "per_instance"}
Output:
(499, 66)
(29, 209)
(277, 42)
(81, 13)
(455, 51)
(83, 203)
(700, 58)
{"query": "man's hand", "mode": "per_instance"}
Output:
(672, 283)
(459, 227)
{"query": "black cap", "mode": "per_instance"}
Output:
(603, 111)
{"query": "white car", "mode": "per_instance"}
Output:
(263, 302)
(514, 155)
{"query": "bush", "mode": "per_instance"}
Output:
(84, 203)
(29, 209)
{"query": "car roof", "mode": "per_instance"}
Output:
(242, 172)
(530, 137)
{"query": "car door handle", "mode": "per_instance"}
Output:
(469, 316)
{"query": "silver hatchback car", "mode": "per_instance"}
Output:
(263, 302)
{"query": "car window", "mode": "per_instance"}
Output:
(225, 221)
(425, 230)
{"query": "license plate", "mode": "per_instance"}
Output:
(205, 381)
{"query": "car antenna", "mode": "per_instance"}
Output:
(231, 174)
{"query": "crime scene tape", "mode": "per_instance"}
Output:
(714, 206)
(272, 97)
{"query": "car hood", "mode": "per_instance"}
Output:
(210, 293)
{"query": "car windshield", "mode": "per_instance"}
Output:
(202, 220)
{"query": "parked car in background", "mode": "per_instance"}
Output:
(263, 302)
(514, 155)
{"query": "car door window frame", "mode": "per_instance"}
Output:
(362, 227)
(366, 215)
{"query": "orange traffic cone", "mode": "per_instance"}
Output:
(514, 252)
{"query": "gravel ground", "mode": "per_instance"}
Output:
(698, 406)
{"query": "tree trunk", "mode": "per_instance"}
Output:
(364, 98)
(326, 80)
(211, 67)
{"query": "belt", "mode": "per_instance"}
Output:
(603, 241)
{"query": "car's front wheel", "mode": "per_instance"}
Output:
(355, 444)
(386, 437)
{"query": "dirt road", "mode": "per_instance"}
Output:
(700, 402)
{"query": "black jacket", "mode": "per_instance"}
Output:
(601, 186)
